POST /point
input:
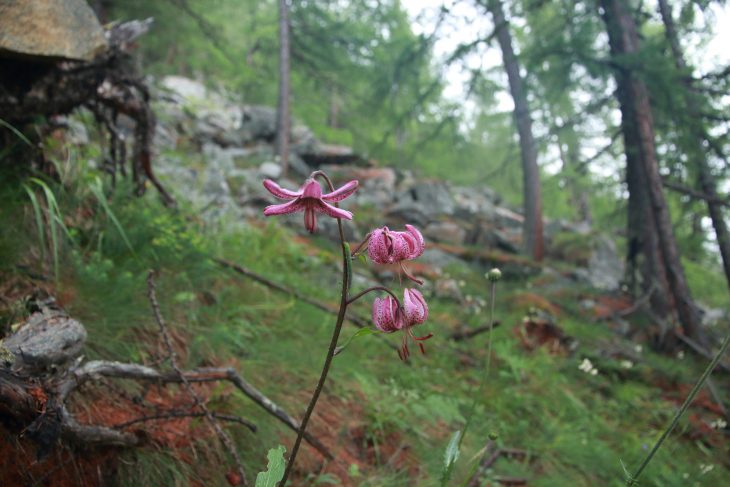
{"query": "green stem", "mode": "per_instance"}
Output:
(696, 389)
(483, 382)
(346, 278)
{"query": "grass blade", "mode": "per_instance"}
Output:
(99, 194)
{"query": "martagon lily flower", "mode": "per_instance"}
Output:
(388, 317)
(310, 200)
(389, 247)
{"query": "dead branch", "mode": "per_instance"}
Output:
(109, 83)
(469, 333)
(700, 350)
(187, 414)
(680, 188)
(355, 320)
(492, 453)
(215, 426)
(95, 369)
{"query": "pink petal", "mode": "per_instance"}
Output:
(341, 193)
(378, 246)
(310, 219)
(414, 307)
(419, 247)
(280, 192)
(284, 208)
(311, 189)
(385, 312)
(330, 210)
(402, 244)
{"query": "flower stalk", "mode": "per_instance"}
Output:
(383, 245)
(344, 295)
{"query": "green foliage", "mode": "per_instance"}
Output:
(274, 470)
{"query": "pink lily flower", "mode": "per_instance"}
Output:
(388, 317)
(388, 247)
(310, 200)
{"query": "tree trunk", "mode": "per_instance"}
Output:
(693, 120)
(533, 226)
(650, 228)
(283, 115)
(574, 175)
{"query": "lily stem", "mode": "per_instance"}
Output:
(346, 273)
(373, 289)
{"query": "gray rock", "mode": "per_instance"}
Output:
(439, 259)
(270, 170)
(51, 28)
(47, 339)
(445, 231)
(605, 268)
(434, 198)
(258, 122)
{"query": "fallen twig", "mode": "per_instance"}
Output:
(355, 320)
(468, 333)
(492, 453)
(224, 437)
(100, 368)
(700, 350)
(187, 414)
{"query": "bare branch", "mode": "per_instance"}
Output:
(724, 201)
(224, 437)
(472, 332)
(187, 414)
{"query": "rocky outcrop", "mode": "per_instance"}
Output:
(228, 153)
(50, 28)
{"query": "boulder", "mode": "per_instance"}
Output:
(258, 122)
(51, 29)
(446, 232)
(49, 338)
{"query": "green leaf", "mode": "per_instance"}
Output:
(17, 132)
(359, 333)
(274, 470)
(450, 456)
(96, 189)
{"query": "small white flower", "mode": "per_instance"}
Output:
(626, 364)
(718, 424)
(587, 367)
(685, 475)
(462, 283)
(638, 348)
(680, 354)
(706, 468)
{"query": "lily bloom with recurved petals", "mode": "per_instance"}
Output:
(386, 246)
(389, 318)
(310, 200)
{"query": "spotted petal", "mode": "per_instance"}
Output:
(332, 211)
(284, 208)
(341, 193)
(415, 308)
(416, 242)
(280, 192)
(385, 314)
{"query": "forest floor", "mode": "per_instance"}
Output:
(387, 422)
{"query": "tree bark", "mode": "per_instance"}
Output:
(574, 174)
(533, 225)
(692, 118)
(283, 115)
(650, 228)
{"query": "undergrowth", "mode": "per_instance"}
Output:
(578, 428)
